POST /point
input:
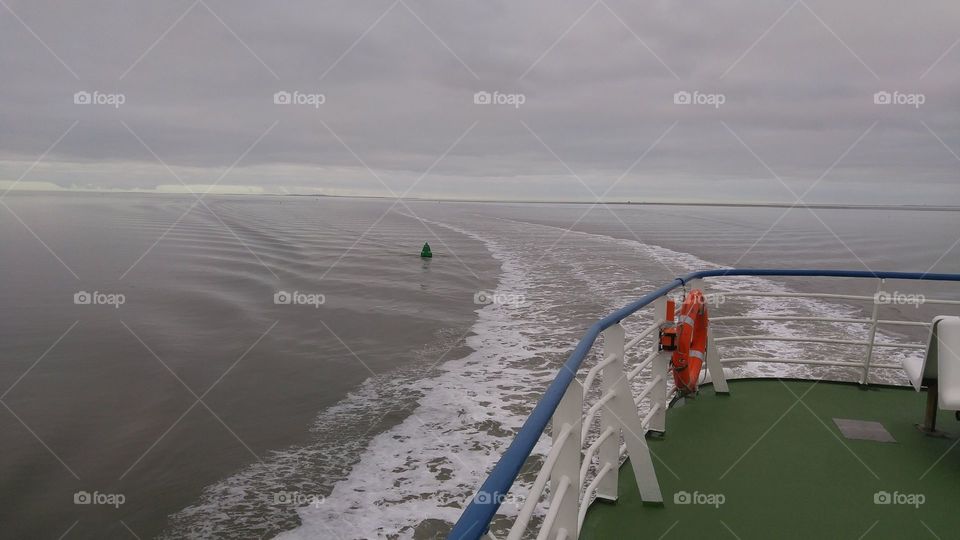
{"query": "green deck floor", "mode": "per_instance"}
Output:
(785, 471)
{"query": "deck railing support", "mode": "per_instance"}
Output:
(659, 366)
(567, 468)
(609, 451)
(874, 317)
(715, 367)
(623, 410)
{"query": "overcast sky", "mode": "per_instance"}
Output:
(787, 90)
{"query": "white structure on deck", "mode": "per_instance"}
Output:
(938, 370)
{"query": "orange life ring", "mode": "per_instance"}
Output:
(688, 358)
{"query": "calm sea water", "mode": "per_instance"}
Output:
(210, 410)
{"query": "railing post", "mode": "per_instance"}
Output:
(609, 451)
(873, 333)
(659, 366)
(715, 367)
(622, 409)
(567, 468)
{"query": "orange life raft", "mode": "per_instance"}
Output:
(691, 341)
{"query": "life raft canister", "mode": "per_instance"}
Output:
(688, 358)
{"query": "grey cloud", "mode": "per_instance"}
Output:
(598, 97)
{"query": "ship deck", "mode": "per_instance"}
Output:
(771, 452)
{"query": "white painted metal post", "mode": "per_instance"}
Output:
(660, 366)
(624, 410)
(567, 468)
(715, 367)
(609, 451)
(873, 333)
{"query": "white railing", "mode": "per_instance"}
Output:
(873, 322)
(584, 460)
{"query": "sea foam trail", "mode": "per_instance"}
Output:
(414, 478)
(426, 467)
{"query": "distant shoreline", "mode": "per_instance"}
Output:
(817, 206)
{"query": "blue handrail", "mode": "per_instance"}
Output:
(476, 517)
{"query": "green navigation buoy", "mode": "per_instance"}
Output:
(425, 252)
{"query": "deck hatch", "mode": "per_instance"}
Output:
(863, 430)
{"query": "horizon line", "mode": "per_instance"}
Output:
(758, 204)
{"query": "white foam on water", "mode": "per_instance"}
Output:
(429, 465)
